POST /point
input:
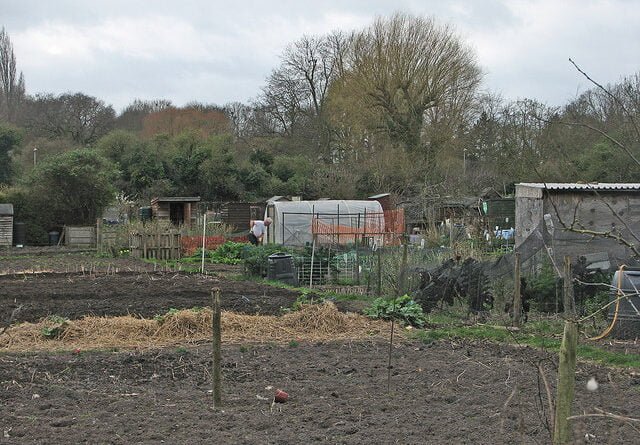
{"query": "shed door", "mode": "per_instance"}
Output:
(176, 213)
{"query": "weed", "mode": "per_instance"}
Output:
(294, 344)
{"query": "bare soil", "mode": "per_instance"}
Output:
(339, 391)
(447, 392)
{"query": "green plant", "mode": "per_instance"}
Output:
(256, 258)
(162, 318)
(294, 344)
(542, 289)
(307, 298)
(54, 326)
(401, 308)
(228, 253)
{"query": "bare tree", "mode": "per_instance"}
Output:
(294, 98)
(11, 84)
(78, 117)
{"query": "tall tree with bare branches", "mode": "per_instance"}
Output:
(11, 83)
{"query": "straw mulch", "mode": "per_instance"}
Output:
(313, 322)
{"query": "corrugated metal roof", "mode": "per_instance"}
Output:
(582, 186)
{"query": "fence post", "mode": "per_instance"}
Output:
(567, 363)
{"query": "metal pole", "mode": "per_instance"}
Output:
(217, 354)
(313, 251)
(204, 232)
(35, 156)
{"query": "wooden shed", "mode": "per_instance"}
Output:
(180, 210)
(239, 214)
(385, 201)
(545, 214)
(6, 224)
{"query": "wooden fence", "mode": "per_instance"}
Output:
(79, 236)
(161, 246)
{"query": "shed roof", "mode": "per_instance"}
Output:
(598, 186)
(277, 198)
(379, 195)
(6, 209)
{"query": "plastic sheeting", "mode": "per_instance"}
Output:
(292, 220)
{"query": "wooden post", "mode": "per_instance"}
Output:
(204, 237)
(517, 298)
(567, 365)
(355, 242)
(217, 355)
(99, 247)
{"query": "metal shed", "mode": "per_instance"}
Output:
(6, 224)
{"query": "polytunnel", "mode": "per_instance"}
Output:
(335, 220)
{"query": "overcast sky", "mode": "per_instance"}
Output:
(217, 52)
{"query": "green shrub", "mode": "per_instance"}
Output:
(256, 257)
(229, 253)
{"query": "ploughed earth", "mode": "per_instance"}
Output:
(124, 368)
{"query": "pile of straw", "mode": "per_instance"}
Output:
(313, 322)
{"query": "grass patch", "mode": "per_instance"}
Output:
(545, 337)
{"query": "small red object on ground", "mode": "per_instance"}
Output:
(281, 396)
